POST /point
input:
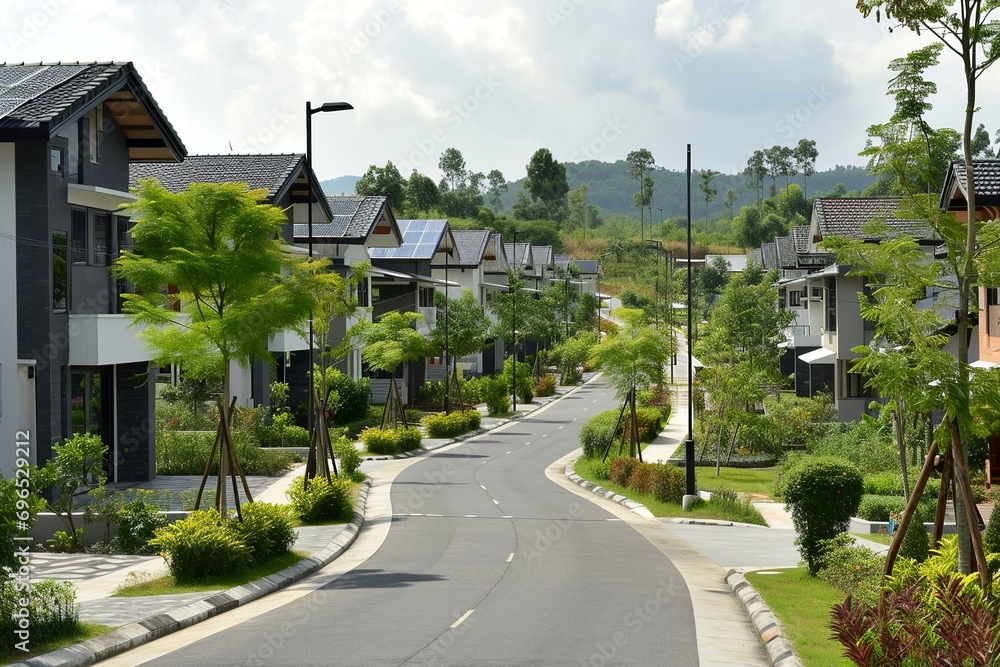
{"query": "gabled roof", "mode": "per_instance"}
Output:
(986, 176)
(542, 254)
(470, 246)
(36, 100)
(274, 173)
(785, 247)
(518, 254)
(769, 255)
(801, 235)
(847, 216)
(495, 260)
(421, 240)
(754, 257)
(352, 220)
(588, 266)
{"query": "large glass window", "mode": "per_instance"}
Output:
(85, 403)
(91, 237)
(81, 237)
(60, 275)
(831, 304)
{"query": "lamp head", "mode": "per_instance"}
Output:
(331, 106)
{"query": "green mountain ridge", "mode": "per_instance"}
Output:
(611, 188)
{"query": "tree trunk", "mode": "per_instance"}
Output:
(901, 442)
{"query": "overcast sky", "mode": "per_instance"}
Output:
(498, 79)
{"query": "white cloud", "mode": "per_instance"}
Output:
(674, 20)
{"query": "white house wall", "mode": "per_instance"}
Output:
(11, 411)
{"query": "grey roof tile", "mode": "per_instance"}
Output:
(353, 218)
(986, 173)
(847, 216)
(769, 255)
(785, 246)
(801, 235)
(259, 172)
(470, 245)
(754, 257)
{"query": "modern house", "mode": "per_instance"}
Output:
(69, 363)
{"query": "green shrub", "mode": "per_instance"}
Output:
(391, 440)
(347, 455)
(878, 508)
(822, 495)
(283, 435)
(138, 521)
(867, 444)
(621, 470)
(51, 609)
(670, 483)
(266, 528)
(441, 425)
(322, 501)
(202, 545)
(431, 393)
(471, 391)
(546, 385)
(597, 432)
(852, 569)
(181, 415)
(571, 376)
(602, 469)
(735, 507)
(523, 385)
(642, 479)
(991, 536)
(496, 394)
(186, 453)
(352, 397)
(916, 543)
(650, 422)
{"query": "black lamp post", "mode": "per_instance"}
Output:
(513, 320)
(323, 108)
(689, 443)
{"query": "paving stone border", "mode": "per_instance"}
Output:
(141, 632)
(779, 649)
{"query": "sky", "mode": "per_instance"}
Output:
(499, 79)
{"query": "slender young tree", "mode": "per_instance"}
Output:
(708, 193)
(640, 163)
(219, 246)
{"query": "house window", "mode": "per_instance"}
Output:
(831, 304)
(60, 276)
(91, 232)
(854, 384)
(795, 299)
(124, 233)
(993, 296)
(96, 133)
(56, 160)
(85, 403)
(426, 297)
(817, 294)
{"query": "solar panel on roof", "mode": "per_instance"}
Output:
(425, 250)
(416, 225)
(412, 237)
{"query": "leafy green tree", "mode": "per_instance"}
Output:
(546, 180)
(387, 343)
(573, 352)
(75, 464)
(577, 201)
(640, 163)
(220, 247)
(982, 144)
(497, 186)
(421, 192)
(385, 181)
(754, 226)
(730, 200)
(708, 193)
(461, 327)
(452, 165)
(805, 155)
(756, 172)
(632, 359)
(968, 29)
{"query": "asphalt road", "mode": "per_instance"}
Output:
(485, 562)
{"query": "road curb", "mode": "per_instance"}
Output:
(779, 649)
(142, 632)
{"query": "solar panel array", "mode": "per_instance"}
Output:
(21, 84)
(420, 240)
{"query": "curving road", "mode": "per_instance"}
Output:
(485, 561)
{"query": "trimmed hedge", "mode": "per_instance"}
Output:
(322, 501)
(203, 545)
(878, 508)
(441, 425)
(391, 440)
(595, 434)
(665, 482)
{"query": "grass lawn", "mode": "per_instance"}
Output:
(758, 481)
(584, 468)
(802, 604)
(166, 584)
(881, 538)
(85, 631)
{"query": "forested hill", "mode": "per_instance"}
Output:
(611, 189)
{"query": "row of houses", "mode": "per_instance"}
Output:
(823, 298)
(74, 138)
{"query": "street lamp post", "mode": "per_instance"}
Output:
(513, 321)
(691, 492)
(323, 108)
